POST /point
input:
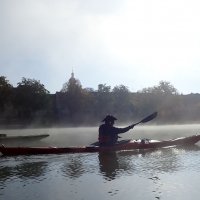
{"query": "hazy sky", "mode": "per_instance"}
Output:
(136, 43)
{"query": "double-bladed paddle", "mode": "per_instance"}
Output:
(146, 119)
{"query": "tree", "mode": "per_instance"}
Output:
(73, 85)
(102, 88)
(103, 101)
(121, 94)
(73, 96)
(30, 97)
(122, 103)
(121, 89)
(162, 97)
(167, 88)
(164, 87)
(5, 92)
(89, 90)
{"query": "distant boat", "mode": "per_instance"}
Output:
(5, 138)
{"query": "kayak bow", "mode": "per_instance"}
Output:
(122, 145)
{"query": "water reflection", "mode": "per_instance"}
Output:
(108, 164)
(74, 167)
(142, 175)
(112, 165)
(31, 170)
(23, 171)
(5, 173)
(76, 172)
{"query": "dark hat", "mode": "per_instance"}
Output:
(109, 118)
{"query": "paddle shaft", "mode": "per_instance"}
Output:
(147, 119)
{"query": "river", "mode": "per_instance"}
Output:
(169, 173)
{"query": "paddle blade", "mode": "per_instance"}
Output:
(149, 118)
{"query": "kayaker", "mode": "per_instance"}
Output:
(108, 134)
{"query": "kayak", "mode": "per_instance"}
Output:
(120, 146)
(5, 138)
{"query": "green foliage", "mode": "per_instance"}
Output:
(75, 99)
(121, 89)
(30, 97)
(103, 101)
(33, 86)
(5, 92)
(30, 101)
(4, 83)
(102, 88)
(122, 102)
(72, 86)
(163, 87)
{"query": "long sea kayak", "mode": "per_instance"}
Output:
(122, 145)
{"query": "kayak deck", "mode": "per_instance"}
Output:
(122, 145)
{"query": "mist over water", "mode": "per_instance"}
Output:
(87, 135)
(168, 173)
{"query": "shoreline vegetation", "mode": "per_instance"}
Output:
(31, 105)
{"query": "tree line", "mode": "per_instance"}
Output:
(31, 103)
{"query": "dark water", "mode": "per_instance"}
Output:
(170, 173)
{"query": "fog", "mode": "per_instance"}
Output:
(86, 135)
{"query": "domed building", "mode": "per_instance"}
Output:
(71, 86)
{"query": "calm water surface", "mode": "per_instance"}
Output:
(170, 173)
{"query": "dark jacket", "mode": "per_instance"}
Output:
(108, 134)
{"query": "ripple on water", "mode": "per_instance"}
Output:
(73, 175)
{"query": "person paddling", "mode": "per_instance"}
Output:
(108, 134)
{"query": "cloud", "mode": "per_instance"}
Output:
(135, 43)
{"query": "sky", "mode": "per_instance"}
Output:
(136, 43)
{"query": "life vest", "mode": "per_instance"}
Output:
(107, 135)
(107, 139)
